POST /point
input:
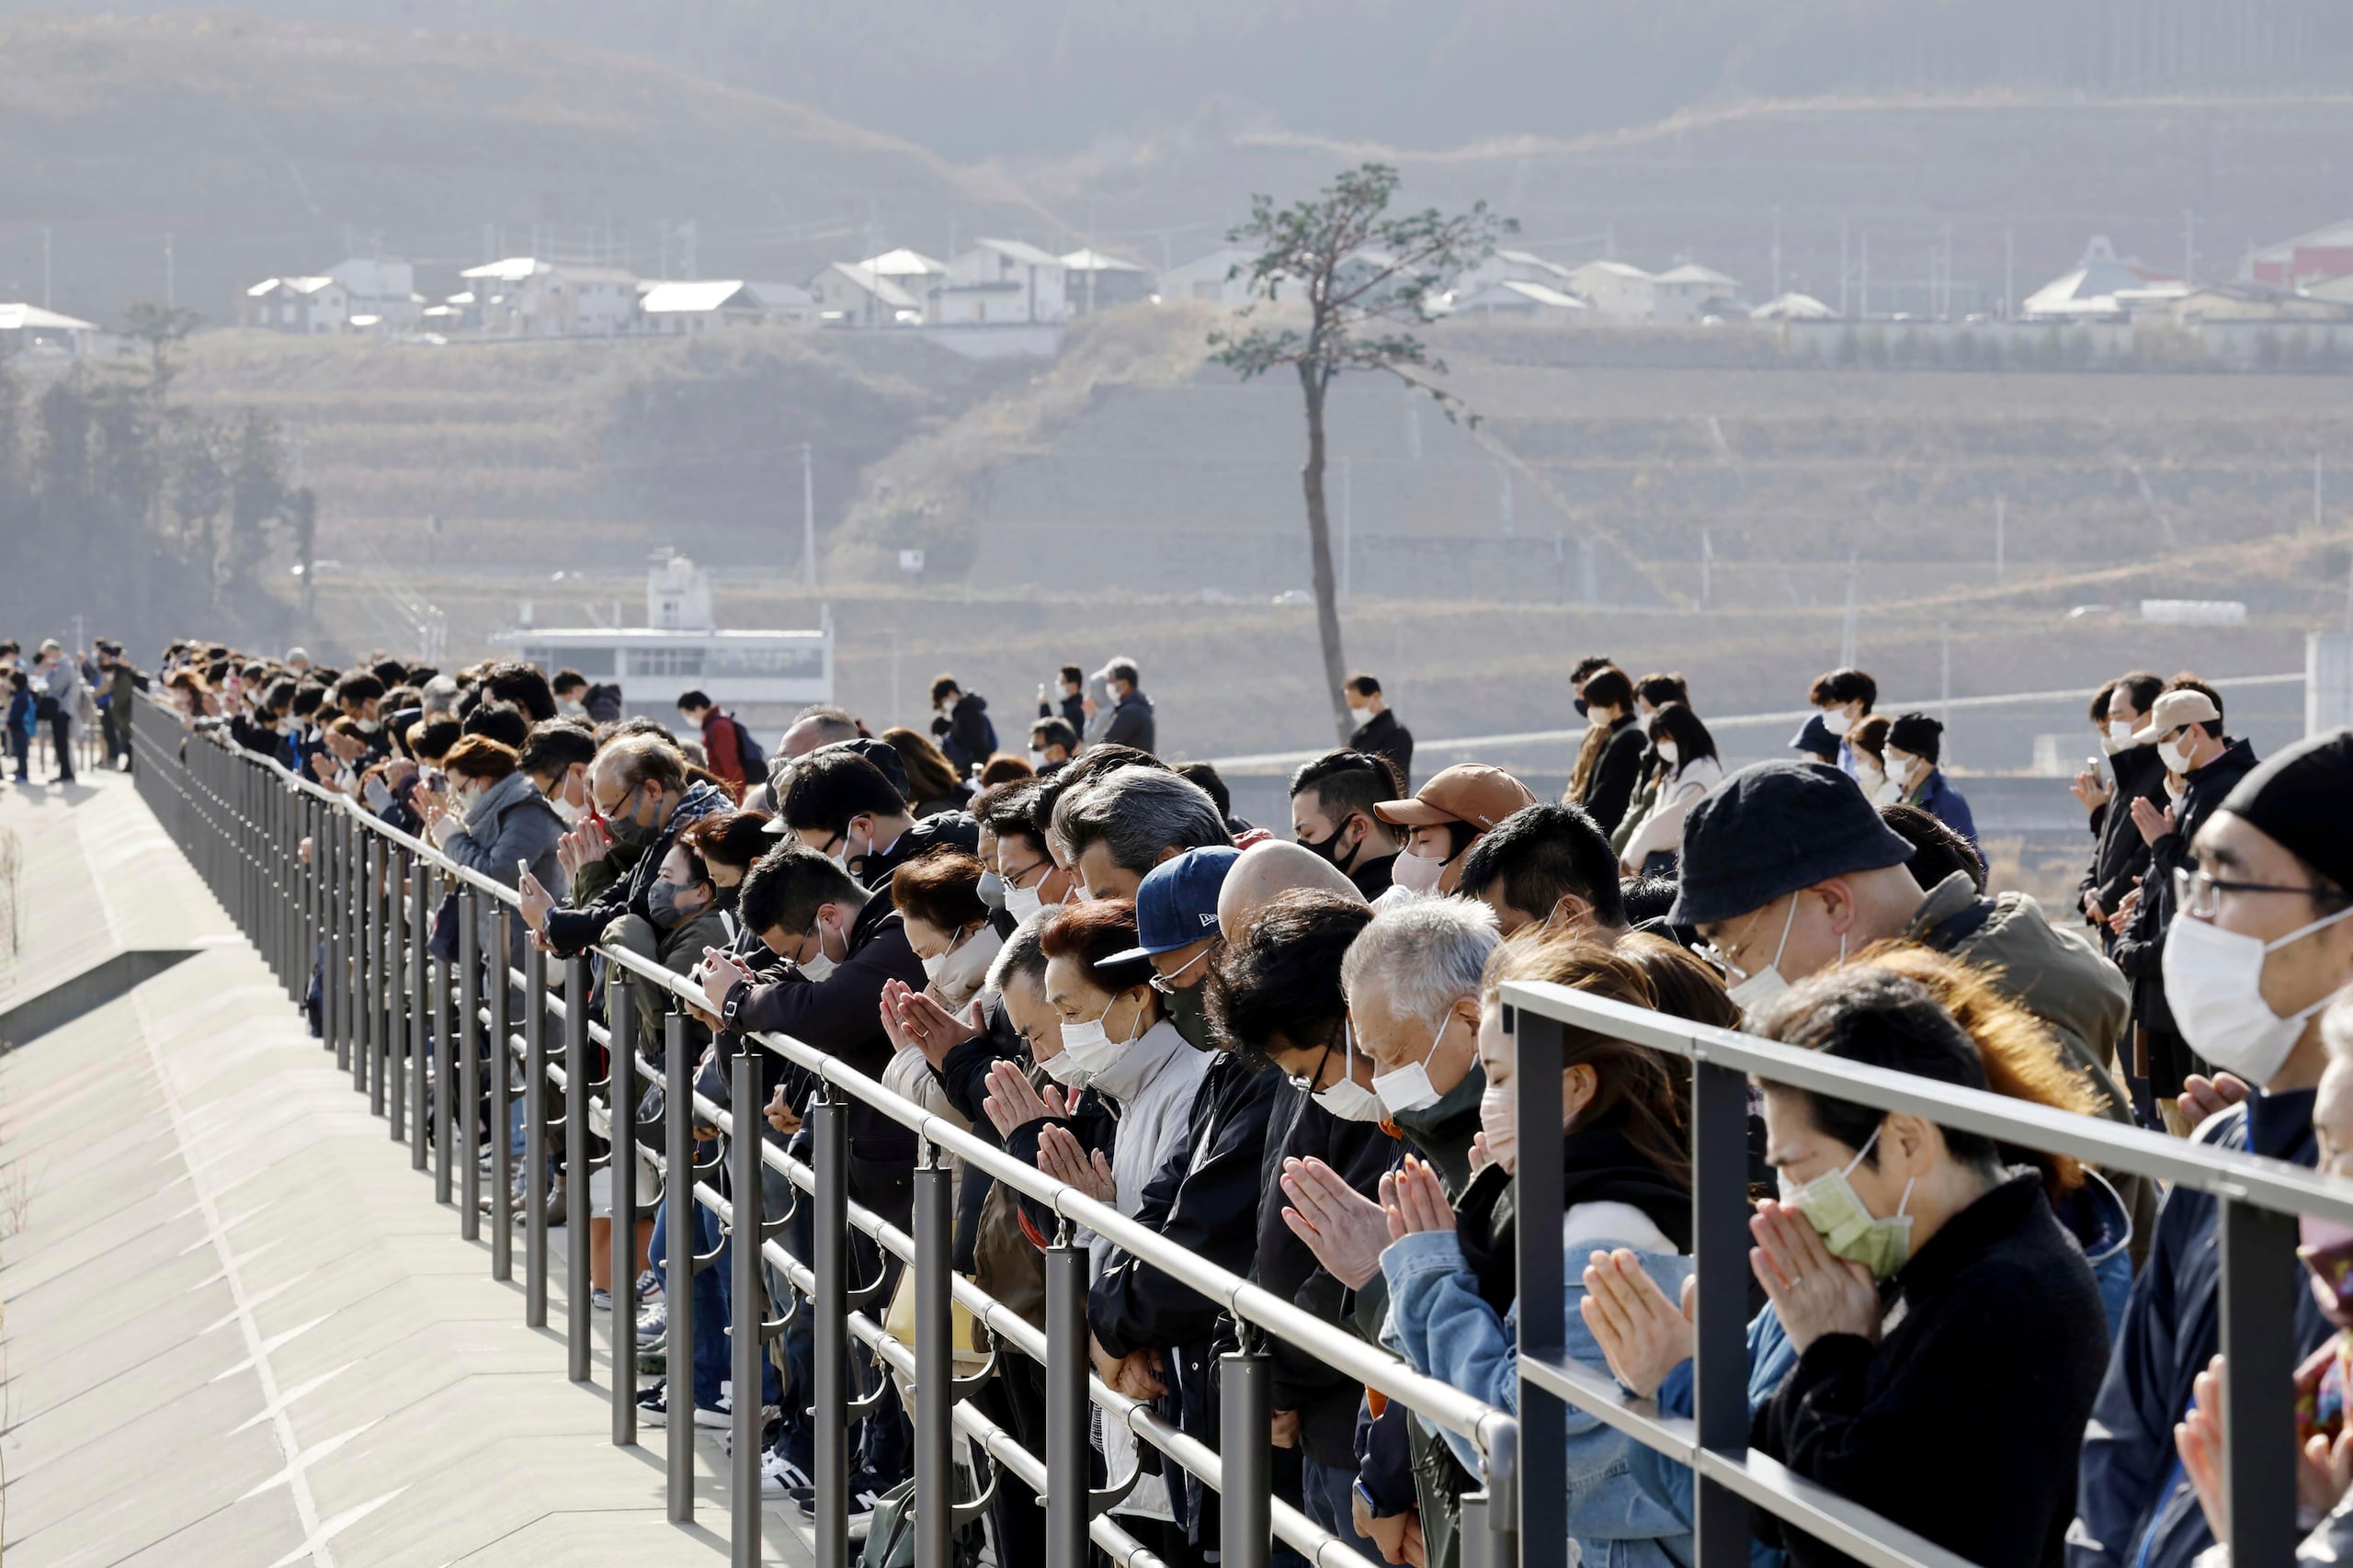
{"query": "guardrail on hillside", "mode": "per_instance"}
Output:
(405, 1025)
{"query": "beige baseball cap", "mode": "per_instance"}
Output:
(2174, 710)
(1469, 791)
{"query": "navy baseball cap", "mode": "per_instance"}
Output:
(1177, 904)
(1772, 829)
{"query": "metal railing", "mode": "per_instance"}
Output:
(313, 880)
(2259, 1202)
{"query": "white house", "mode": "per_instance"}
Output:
(1099, 282)
(1687, 292)
(1617, 290)
(304, 305)
(1514, 267)
(24, 326)
(683, 309)
(848, 293)
(910, 270)
(1001, 282)
(783, 301)
(1521, 301)
(2089, 291)
(1207, 279)
(525, 297)
(385, 289)
(1792, 307)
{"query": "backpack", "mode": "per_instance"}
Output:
(891, 1537)
(754, 761)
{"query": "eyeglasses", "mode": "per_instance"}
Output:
(1014, 878)
(2200, 896)
(1166, 984)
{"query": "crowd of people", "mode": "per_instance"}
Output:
(1279, 1047)
(62, 699)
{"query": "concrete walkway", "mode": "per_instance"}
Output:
(238, 1329)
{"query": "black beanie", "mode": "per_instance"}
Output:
(1919, 734)
(2300, 798)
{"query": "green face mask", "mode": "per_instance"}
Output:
(1848, 1229)
(1188, 1010)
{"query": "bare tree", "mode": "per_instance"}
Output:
(1362, 275)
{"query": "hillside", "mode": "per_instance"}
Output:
(258, 147)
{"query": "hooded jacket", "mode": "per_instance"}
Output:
(2136, 1507)
(956, 830)
(964, 733)
(571, 931)
(1131, 723)
(1987, 1372)
(512, 822)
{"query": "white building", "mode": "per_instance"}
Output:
(525, 297)
(1687, 292)
(385, 289)
(2090, 292)
(1003, 282)
(788, 302)
(1617, 290)
(848, 293)
(1518, 300)
(684, 309)
(910, 270)
(763, 677)
(300, 305)
(1099, 282)
(1792, 307)
(1516, 266)
(1221, 278)
(25, 327)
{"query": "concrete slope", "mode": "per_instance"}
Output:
(237, 1330)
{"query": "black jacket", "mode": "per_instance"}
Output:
(1299, 1129)
(1612, 783)
(1131, 723)
(571, 931)
(2136, 1507)
(1073, 712)
(1989, 1373)
(1092, 1122)
(2140, 953)
(841, 1015)
(2118, 853)
(964, 733)
(963, 1075)
(1373, 878)
(1383, 736)
(956, 829)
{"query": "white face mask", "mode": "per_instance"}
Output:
(567, 810)
(1900, 766)
(2120, 733)
(1409, 1088)
(1022, 903)
(1752, 994)
(1417, 873)
(2214, 984)
(1668, 752)
(1348, 1099)
(1835, 720)
(1361, 715)
(2180, 753)
(820, 967)
(1091, 1049)
(1036, 757)
(1065, 1071)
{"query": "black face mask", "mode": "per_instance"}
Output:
(1579, 706)
(1329, 849)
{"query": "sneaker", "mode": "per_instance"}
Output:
(654, 1410)
(653, 1324)
(861, 1501)
(780, 1477)
(649, 1286)
(599, 1298)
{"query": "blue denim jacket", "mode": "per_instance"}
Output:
(1438, 1321)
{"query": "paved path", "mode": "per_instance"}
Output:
(238, 1329)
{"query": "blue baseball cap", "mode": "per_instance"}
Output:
(1177, 904)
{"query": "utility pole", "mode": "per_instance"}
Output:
(1589, 568)
(171, 283)
(1944, 682)
(1946, 313)
(1846, 635)
(2188, 246)
(2316, 493)
(1707, 569)
(1777, 250)
(1503, 498)
(2009, 271)
(1347, 527)
(1842, 266)
(1863, 281)
(44, 268)
(809, 521)
(2001, 536)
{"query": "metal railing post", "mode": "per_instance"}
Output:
(1543, 1415)
(620, 1101)
(1720, 1343)
(678, 1262)
(935, 1453)
(445, 1062)
(576, 1306)
(1067, 1444)
(829, 1236)
(748, 1307)
(346, 850)
(1490, 1516)
(535, 1137)
(467, 1112)
(366, 853)
(420, 1032)
(383, 1088)
(498, 1062)
(1246, 1503)
(2260, 1289)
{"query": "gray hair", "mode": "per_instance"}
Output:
(1022, 955)
(644, 760)
(1137, 813)
(440, 695)
(1430, 952)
